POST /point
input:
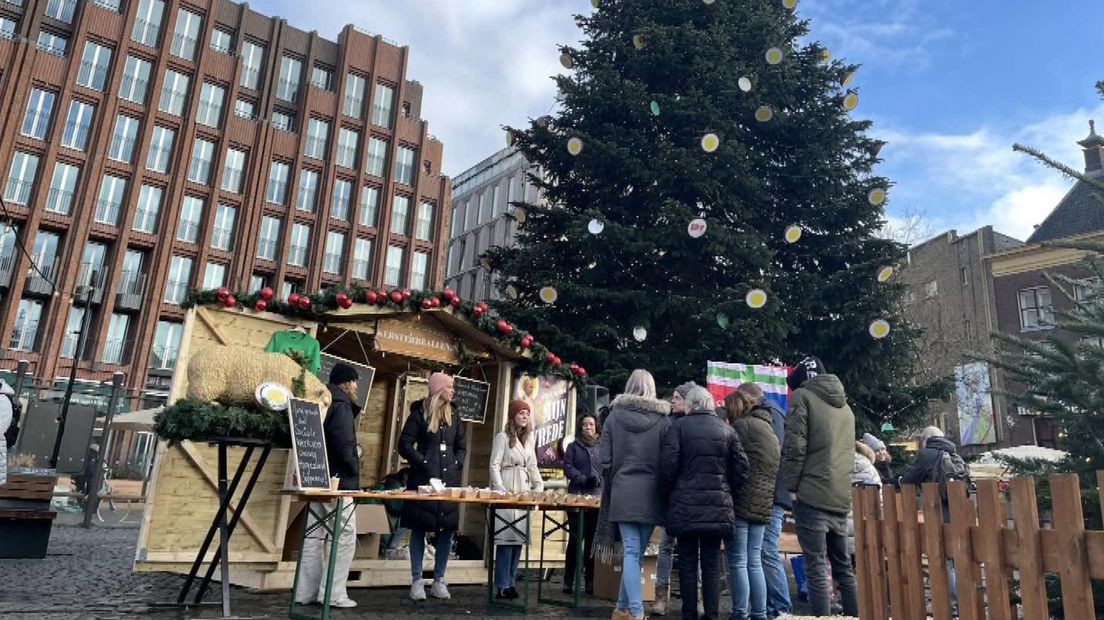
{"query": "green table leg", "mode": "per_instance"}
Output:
(490, 547)
(579, 559)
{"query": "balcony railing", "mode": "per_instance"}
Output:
(107, 212)
(117, 350)
(360, 268)
(208, 113)
(221, 238)
(331, 263)
(352, 106)
(90, 284)
(61, 10)
(18, 191)
(110, 5)
(75, 136)
(145, 220)
(305, 199)
(129, 291)
(133, 89)
(249, 77)
(7, 268)
(172, 102)
(39, 281)
(231, 181)
(183, 46)
(187, 231)
(59, 201)
(145, 32)
(92, 75)
(35, 124)
(266, 249)
(158, 159)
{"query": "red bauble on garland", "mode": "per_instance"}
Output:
(381, 298)
(455, 301)
(503, 327)
(581, 372)
(370, 297)
(448, 294)
(266, 293)
(260, 305)
(396, 297)
(556, 362)
(293, 299)
(406, 293)
(229, 301)
(305, 302)
(426, 305)
(222, 294)
(342, 299)
(434, 302)
(551, 357)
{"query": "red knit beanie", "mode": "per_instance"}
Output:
(516, 406)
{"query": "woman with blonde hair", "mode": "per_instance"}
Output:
(629, 451)
(433, 443)
(513, 469)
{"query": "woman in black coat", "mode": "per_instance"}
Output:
(582, 467)
(702, 466)
(433, 443)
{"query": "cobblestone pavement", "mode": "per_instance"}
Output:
(87, 575)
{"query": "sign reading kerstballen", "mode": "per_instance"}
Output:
(308, 442)
(415, 340)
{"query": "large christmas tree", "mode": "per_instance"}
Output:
(675, 113)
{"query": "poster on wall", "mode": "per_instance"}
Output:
(976, 422)
(722, 378)
(547, 398)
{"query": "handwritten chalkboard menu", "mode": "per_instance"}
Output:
(364, 383)
(308, 442)
(469, 399)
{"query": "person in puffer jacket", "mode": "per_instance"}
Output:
(862, 474)
(702, 469)
(747, 582)
(582, 467)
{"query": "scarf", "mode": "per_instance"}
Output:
(606, 543)
(589, 442)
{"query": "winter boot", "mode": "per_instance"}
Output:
(662, 597)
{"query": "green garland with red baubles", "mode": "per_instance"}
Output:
(542, 362)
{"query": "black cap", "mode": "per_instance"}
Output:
(804, 370)
(343, 373)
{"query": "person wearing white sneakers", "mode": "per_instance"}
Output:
(433, 443)
(513, 469)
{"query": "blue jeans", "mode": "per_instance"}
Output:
(417, 552)
(396, 538)
(634, 539)
(506, 565)
(666, 558)
(778, 586)
(744, 549)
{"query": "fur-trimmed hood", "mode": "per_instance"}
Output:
(639, 413)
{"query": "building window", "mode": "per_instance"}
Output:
(1084, 290)
(419, 269)
(52, 43)
(257, 282)
(214, 275)
(287, 87)
(400, 208)
(287, 287)
(7, 28)
(186, 34)
(282, 121)
(123, 138)
(232, 170)
(149, 207)
(21, 177)
(116, 343)
(94, 65)
(252, 58)
(1036, 310)
(180, 274)
(392, 269)
(276, 192)
(199, 167)
(362, 258)
(353, 102)
(322, 78)
(147, 24)
(377, 156)
(963, 274)
(244, 109)
(166, 345)
(347, 141)
(404, 165)
(457, 218)
(25, 331)
(342, 196)
(307, 195)
(191, 214)
(72, 333)
(63, 185)
(222, 41)
(423, 228)
(91, 263)
(36, 120)
(223, 233)
(331, 257)
(317, 132)
(78, 125)
(209, 110)
(133, 86)
(61, 10)
(160, 151)
(131, 280)
(44, 251)
(110, 202)
(268, 238)
(300, 242)
(381, 105)
(174, 92)
(369, 204)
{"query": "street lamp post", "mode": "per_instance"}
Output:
(81, 340)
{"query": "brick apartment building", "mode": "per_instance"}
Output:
(151, 146)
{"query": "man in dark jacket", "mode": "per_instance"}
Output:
(341, 453)
(702, 467)
(932, 446)
(817, 458)
(679, 408)
(582, 467)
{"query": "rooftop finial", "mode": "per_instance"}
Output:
(1092, 126)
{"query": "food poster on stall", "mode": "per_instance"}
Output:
(547, 398)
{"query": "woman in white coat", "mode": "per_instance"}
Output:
(6, 396)
(513, 469)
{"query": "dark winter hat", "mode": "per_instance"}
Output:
(804, 370)
(343, 373)
(685, 388)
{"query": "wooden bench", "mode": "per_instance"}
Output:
(26, 517)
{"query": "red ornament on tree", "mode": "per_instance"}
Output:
(503, 327)
(229, 301)
(396, 297)
(266, 293)
(305, 302)
(434, 302)
(293, 299)
(222, 294)
(370, 297)
(260, 305)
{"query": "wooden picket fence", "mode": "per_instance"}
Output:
(999, 549)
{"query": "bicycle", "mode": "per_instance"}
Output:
(115, 508)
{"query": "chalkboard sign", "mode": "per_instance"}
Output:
(364, 383)
(308, 442)
(469, 399)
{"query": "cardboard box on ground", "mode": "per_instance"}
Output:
(371, 525)
(607, 577)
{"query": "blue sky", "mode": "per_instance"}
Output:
(950, 84)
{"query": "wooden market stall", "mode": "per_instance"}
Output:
(401, 346)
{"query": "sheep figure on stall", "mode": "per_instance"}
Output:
(229, 375)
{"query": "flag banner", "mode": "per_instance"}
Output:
(722, 378)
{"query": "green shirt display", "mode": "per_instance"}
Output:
(288, 341)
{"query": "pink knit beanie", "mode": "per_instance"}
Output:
(439, 381)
